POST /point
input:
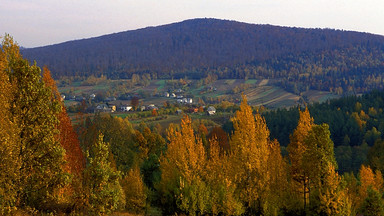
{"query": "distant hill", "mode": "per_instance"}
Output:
(299, 58)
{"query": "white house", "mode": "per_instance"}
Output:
(211, 110)
(126, 108)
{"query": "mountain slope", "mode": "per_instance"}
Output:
(230, 49)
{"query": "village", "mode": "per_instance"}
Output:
(134, 103)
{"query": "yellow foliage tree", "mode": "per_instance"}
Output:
(223, 197)
(9, 160)
(135, 191)
(333, 199)
(369, 179)
(254, 160)
(182, 168)
(296, 149)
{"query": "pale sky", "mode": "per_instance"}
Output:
(35, 23)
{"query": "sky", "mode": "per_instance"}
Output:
(34, 23)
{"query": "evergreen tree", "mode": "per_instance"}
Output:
(373, 204)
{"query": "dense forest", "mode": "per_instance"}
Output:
(300, 59)
(105, 164)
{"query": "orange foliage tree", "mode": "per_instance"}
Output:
(67, 136)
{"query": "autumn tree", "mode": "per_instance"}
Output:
(135, 102)
(296, 150)
(221, 137)
(9, 158)
(250, 152)
(182, 187)
(35, 115)
(68, 138)
(332, 197)
(369, 179)
(135, 191)
(223, 197)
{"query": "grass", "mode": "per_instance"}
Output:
(161, 84)
(251, 81)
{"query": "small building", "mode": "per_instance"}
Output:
(103, 108)
(166, 94)
(126, 108)
(143, 108)
(173, 95)
(211, 110)
(179, 100)
(62, 97)
(152, 107)
(112, 107)
(92, 96)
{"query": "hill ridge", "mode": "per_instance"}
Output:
(229, 49)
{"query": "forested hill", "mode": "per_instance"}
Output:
(316, 58)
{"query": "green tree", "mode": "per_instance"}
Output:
(373, 204)
(376, 156)
(320, 164)
(101, 181)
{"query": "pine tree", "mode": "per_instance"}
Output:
(373, 203)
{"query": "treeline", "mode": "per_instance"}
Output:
(322, 59)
